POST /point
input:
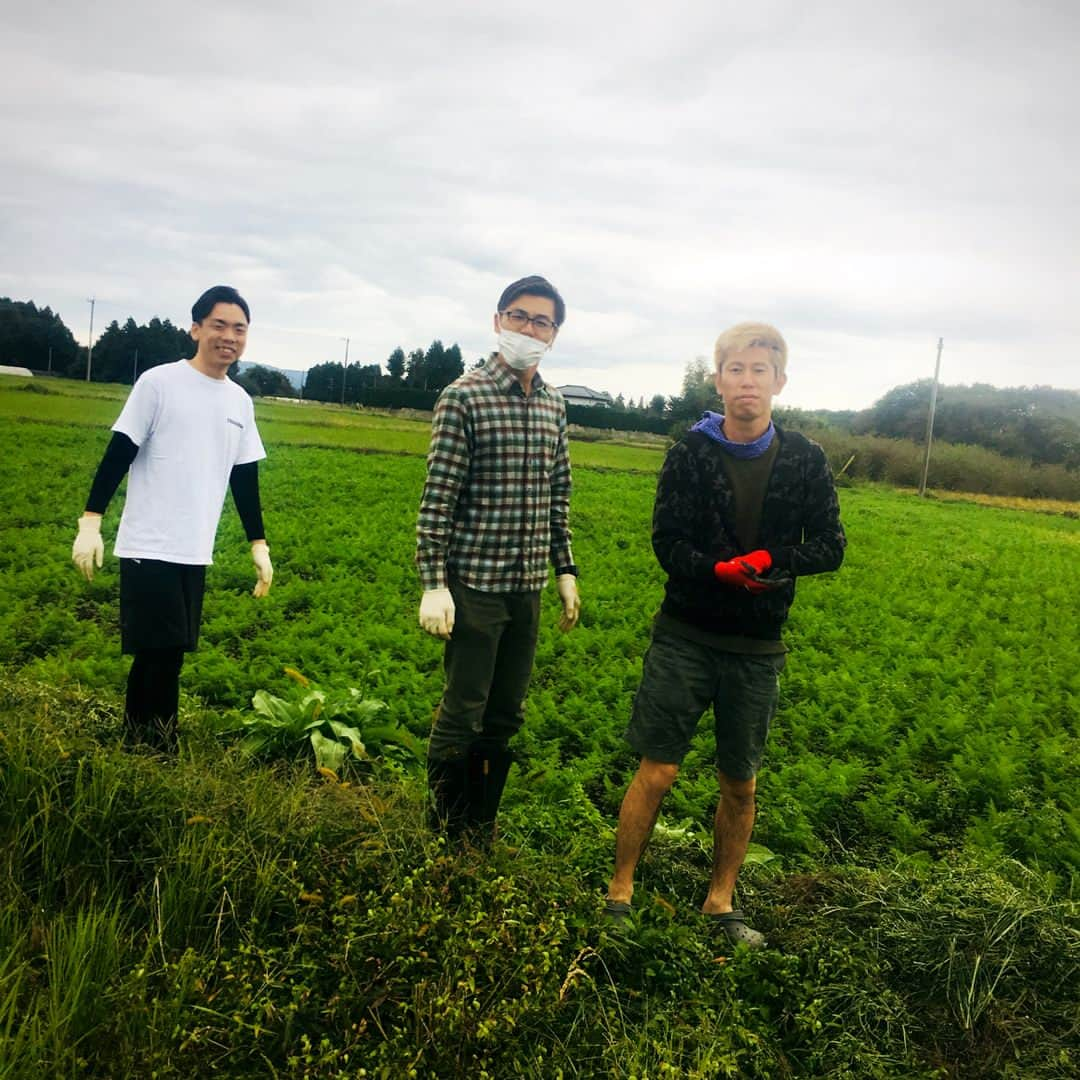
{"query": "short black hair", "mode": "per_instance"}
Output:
(534, 285)
(219, 294)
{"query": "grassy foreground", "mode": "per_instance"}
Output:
(211, 918)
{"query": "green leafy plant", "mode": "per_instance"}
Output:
(335, 724)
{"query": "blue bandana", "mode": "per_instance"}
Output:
(712, 424)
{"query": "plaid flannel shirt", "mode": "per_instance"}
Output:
(496, 501)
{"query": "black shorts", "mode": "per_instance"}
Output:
(681, 678)
(160, 605)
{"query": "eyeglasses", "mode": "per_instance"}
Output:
(517, 319)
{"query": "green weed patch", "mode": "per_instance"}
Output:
(203, 917)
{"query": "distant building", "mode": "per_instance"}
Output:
(582, 395)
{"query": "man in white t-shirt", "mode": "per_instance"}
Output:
(186, 433)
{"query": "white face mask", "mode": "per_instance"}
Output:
(520, 351)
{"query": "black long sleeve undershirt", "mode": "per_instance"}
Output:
(244, 482)
(120, 453)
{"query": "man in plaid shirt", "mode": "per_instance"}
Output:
(494, 512)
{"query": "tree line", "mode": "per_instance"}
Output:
(427, 370)
(431, 369)
(37, 338)
(1039, 424)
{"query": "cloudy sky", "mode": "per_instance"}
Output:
(868, 177)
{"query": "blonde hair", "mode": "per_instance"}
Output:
(746, 335)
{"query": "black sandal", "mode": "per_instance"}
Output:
(617, 910)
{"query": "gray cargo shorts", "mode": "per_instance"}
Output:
(679, 680)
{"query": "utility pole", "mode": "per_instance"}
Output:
(90, 344)
(930, 418)
(135, 369)
(344, 370)
(50, 360)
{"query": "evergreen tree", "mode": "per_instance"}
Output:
(455, 363)
(323, 382)
(28, 333)
(434, 359)
(442, 366)
(361, 377)
(415, 375)
(124, 351)
(395, 365)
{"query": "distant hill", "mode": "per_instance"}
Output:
(1040, 423)
(296, 378)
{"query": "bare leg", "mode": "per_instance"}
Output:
(732, 826)
(637, 816)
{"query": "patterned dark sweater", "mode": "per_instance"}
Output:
(694, 527)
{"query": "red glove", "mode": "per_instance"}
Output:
(736, 575)
(759, 561)
(740, 573)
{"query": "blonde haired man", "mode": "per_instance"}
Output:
(742, 509)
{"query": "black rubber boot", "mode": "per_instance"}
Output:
(153, 698)
(489, 764)
(156, 733)
(448, 811)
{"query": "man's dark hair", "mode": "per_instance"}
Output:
(534, 285)
(219, 294)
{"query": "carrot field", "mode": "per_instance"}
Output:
(916, 860)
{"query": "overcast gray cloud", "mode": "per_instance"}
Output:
(868, 179)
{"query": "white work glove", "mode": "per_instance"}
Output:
(88, 549)
(571, 603)
(260, 556)
(437, 612)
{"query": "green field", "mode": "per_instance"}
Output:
(918, 856)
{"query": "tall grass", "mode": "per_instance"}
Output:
(953, 467)
(208, 917)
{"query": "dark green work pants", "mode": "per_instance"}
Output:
(488, 662)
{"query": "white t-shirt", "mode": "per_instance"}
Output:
(191, 430)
